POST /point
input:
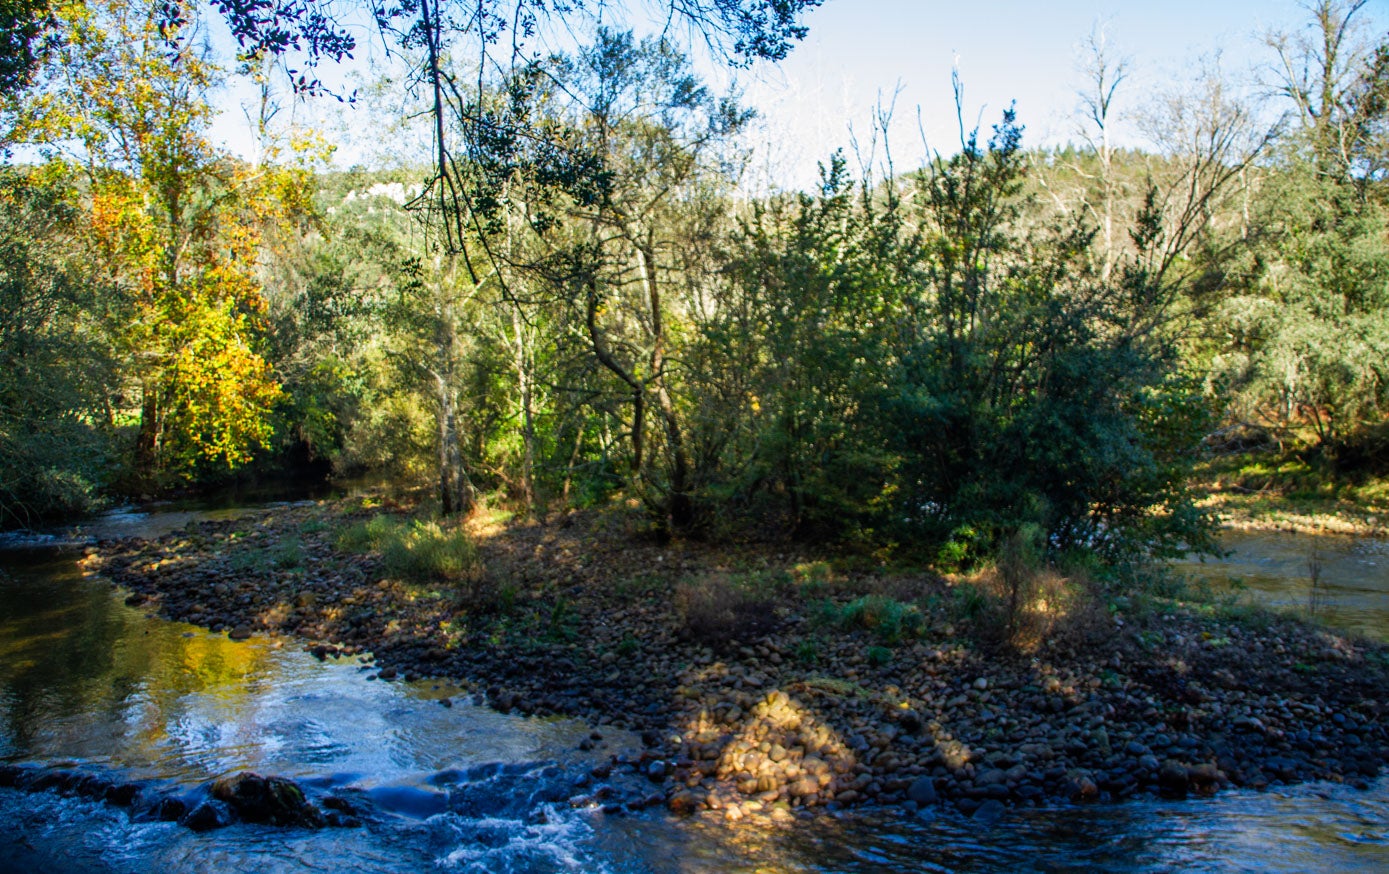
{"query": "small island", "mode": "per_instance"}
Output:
(767, 681)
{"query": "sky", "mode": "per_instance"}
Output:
(861, 53)
(1006, 51)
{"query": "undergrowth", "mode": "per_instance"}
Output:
(416, 551)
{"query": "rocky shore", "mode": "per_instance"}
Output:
(760, 692)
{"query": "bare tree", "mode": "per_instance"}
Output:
(1336, 76)
(1207, 138)
(1104, 72)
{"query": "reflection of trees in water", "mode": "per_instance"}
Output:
(79, 670)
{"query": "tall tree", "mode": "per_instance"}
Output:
(56, 364)
(1307, 335)
(1333, 75)
(1104, 72)
(176, 229)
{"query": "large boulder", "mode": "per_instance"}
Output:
(270, 800)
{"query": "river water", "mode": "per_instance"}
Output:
(1276, 568)
(88, 683)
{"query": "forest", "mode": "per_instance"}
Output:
(570, 300)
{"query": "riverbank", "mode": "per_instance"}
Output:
(1264, 491)
(765, 681)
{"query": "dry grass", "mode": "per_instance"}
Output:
(721, 608)
(1030, 610)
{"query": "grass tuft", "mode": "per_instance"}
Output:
(720, 608)
(890, 620)
(416, 551)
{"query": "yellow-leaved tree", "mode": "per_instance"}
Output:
(175, 227)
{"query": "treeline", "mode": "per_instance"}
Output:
(1002, 345)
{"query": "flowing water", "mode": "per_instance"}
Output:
(90, 684)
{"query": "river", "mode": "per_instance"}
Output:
(90, 684)
(1276, 568)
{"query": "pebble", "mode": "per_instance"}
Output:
(943, 719)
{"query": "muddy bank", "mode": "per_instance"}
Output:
(789, 704)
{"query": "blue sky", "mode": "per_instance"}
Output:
(1006, 50)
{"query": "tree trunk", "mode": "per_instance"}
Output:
(573, 462)
(147, 442)
(681, 507)
(605, 357)
(455, 488)
(523, 380)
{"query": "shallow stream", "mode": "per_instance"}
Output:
(88, 683)
(1277, 568)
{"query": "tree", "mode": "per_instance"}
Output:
(56, 365)
(1308, 337)
(480, 143)
(23, 26)
(175, 227)
(1033, 394)
(660, 134)
(801, 350)
(1104, 74)
(1335, 79)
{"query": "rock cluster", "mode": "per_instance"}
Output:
(243, 797)
(807, 714)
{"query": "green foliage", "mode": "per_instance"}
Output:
(969, 602)
(1304, 332)
(960, 551)
(288, 553)
(932, 362)
(815, 284)
(807, 651)
(171, 232)
(562, 624)
(890, 620)
(1308, 336)
(1027, 394)
(424, 552)
(811, 579)
(1013, 386)
(253, 558)
(414, 550)
(22, 27)
(878, 656)
(369, 536)
(56, 363)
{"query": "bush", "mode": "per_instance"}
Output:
(1027, 608)
(889, 619)
(424, 552)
